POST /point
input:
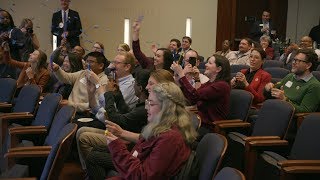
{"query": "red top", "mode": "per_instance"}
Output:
(256, 87)
(212, 100)
(157, 158)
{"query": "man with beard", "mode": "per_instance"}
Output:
(300, 88)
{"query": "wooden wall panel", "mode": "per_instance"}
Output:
(226, 21)
(232, 15)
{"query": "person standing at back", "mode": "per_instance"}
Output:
(66, 23)
(262, 27)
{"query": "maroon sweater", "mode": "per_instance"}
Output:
(212, 100)
(145, 62)
(159, 157)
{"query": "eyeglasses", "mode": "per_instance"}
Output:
(148, 104)
(298, 61)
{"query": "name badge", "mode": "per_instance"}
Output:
(135, 154)
(257, 79)
(261, 25)
(288, 84)
(61, 25)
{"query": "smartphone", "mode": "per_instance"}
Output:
(192, 61)
(88, 67)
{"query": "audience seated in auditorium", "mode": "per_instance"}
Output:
(174, 47)
(191, 69)
(32, 72)
(72, 63)
(300, 87)
(79, 98)
(162, 59)
(98, 47)
(213, 97)
(305, 43)
(265, 42)
(60, 53)
(242, 55)
(123, 47)
(163, 145)
(123, 63)
(226, 49)
(159, 76)
(255, 78)
(91, 138)
(79, 51)
(186, 44)
(287, 57)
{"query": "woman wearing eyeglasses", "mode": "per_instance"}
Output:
(163, 145)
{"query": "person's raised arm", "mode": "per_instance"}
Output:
(136, 30)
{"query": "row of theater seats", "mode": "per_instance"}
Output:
(263, 149)
(52, 122)
(46, 126)
(270, 132)
(270, 127)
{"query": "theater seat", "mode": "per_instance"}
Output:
(210, 152)
(63, 117)
(55, 155)
(228, 173)
(42, 121)
(8, 87)
(303, 161)
(270, 125)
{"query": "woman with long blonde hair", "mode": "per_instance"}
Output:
(163, 145)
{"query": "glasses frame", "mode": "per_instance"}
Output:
(148, 104)
(295, 60)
